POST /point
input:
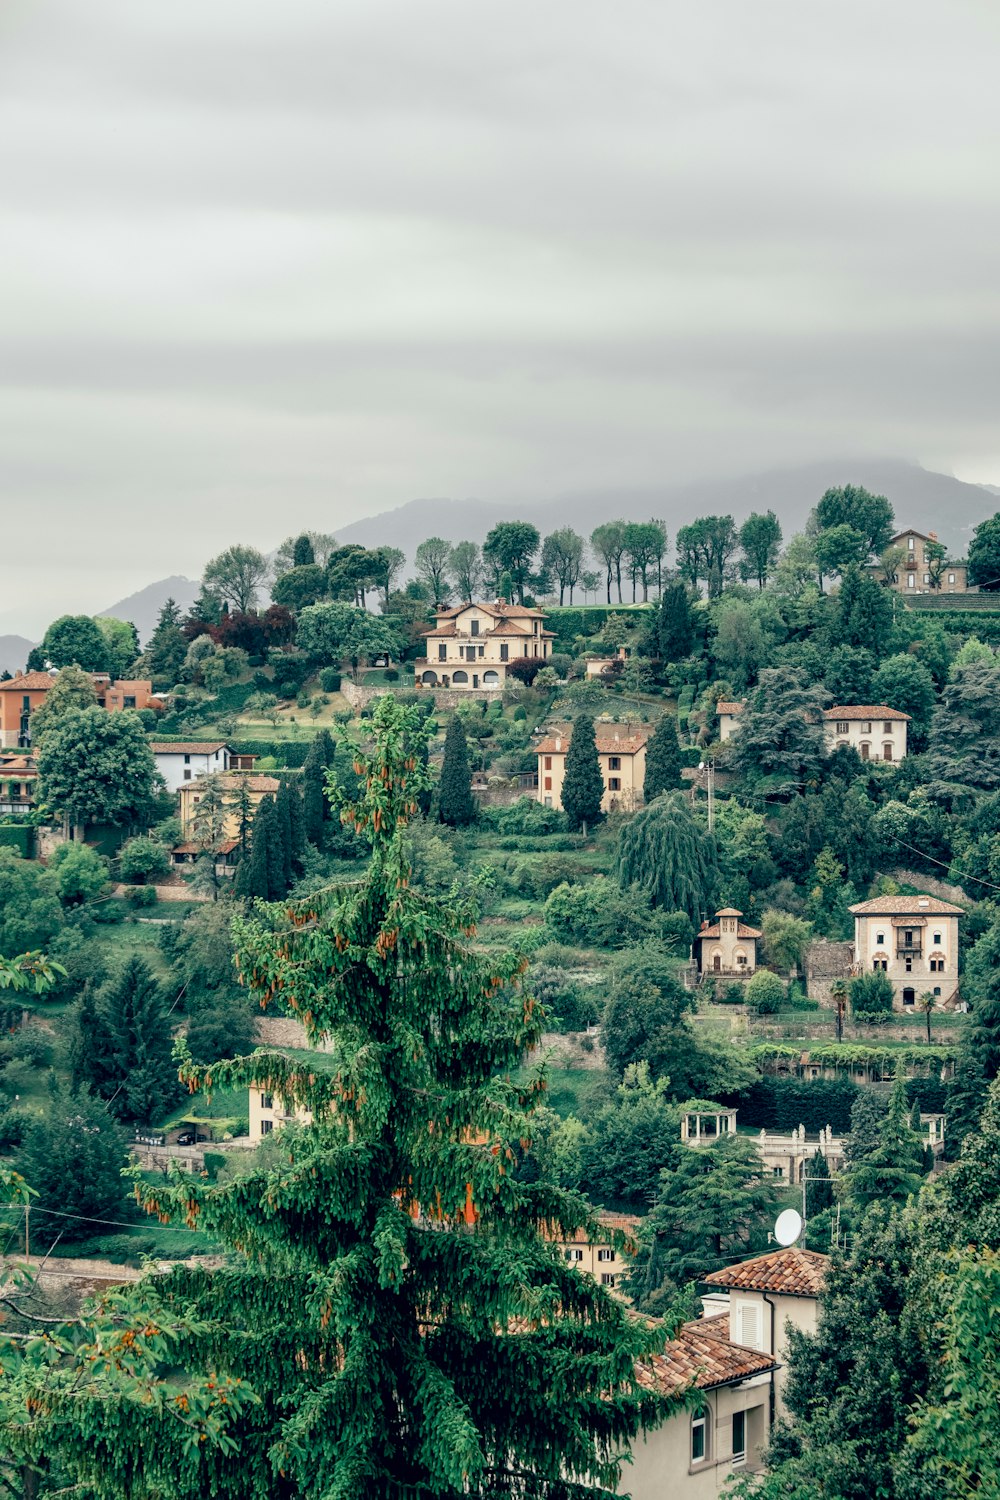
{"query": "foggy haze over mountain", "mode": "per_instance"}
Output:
(273, 267)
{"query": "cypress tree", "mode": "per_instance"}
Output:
(244, 814)
(663, 760)
(91, 1052)
(302, 553)
(674, 626)
(315, 810)
(261, 871)
(388, 1299)
(283, 825)
(455, 804)
(142, 1079)
(583, 784)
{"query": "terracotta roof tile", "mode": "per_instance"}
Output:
(729, 708)
(701, 1355)
(230, 780)
(905, 906)
(864, 711)
(627, 743)
(742, 931)
(28, 682)
(791, 1272)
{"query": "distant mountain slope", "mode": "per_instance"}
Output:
(144, 607)
(14, 652)
(921, 498)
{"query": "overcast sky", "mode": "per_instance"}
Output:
(268, 264)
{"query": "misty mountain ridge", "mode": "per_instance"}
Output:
(920, 498)
(143, 607)
(14, 652)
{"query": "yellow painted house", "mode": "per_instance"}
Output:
(191, 793)
(621, 751)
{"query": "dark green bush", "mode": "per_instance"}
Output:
(141, 895)
(783, 1104)
(329, 680)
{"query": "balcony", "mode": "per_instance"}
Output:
(909, 950)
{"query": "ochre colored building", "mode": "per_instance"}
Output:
(621, 751)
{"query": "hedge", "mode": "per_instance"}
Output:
(569, 622)
(19, 836)
(783, 1104)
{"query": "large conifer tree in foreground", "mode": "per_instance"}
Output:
(404, 1329)
(583, 784)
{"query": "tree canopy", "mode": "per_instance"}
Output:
(96, 767)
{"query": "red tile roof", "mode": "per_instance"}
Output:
(629, 741)
(701, 1355)
(28, 682)
(229, 780)
(790, 1272)
(742, 931)
(864, 711)
(626, 1224)
(729, 708)
(906, 906)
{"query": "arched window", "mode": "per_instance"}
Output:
(887, 751)
(459, 677)
(491, 679)
(429, 679)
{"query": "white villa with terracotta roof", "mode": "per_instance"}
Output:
(874, 730)
(621, 752)
(912, 939)
(727, 946)
(472, 645)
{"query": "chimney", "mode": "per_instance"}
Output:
(558, 742)
(617, 737)
(932, 536)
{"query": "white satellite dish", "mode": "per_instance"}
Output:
(788, 1227)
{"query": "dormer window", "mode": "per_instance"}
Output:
(474, 627)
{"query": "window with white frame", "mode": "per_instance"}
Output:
(605, 1255)
(607, 1278)
(573, 1255)
(699, 1437)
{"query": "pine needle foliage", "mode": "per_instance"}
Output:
(404, 1327)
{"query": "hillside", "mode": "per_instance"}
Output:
(921, 498)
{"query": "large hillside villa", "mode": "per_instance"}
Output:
(922, 569)
(914, 941)
(874, 730)
(472, 646)
(23, 693)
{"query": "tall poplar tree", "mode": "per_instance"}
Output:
(402, 1326)
(455, 804)
(583, 784)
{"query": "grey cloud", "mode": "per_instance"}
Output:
(264, 263)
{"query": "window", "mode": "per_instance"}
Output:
(887, 727)
(951, 578)
(909, 543)
(548, 802)
(266, 1126)
(614, 762)
(129, 701)
(910, 581)
(699, 1438)
(187, 773)
(547, 787)
(548, 763)
(866, 727)
(937, 940)
(442, 651)
(504, 651)
(909, 997)
(778, 1171)
(187, 760)
(474, 627)
(573, 1255)
(881, 963)
(843, 727)
(608, 1278)
(937, 965)
(746, 1324)
(482, 650)
(909, 965)
(927, 578)
(614, 783)
(605, 1255)
(739, 1436)
(937, 990)
(267, 1101)
(880, 939)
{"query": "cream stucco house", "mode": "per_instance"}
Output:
(472, 645)
(914, 940)
(257, 786)
(621, 751)
(729, 717)
(875, 731)
(727, 946)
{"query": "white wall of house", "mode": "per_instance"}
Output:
(178, 766)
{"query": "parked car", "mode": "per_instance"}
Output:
(190, 1138)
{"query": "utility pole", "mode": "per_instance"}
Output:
(27, 1230)
(709, 769)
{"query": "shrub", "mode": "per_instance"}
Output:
(13, 1123)
(765, 992)
(785, 1103)
(303, 698)
(519, 714)
(871, 994)
(287, 687)
(525, 669)
(142, 859)
(391, 674)
(141, 895)
(329, 680)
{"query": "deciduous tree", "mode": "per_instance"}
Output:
(512, 547)
(96, 767)
(760, 542)
(432, 560)
(465, 569)
(669, 856)
(237, 575)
